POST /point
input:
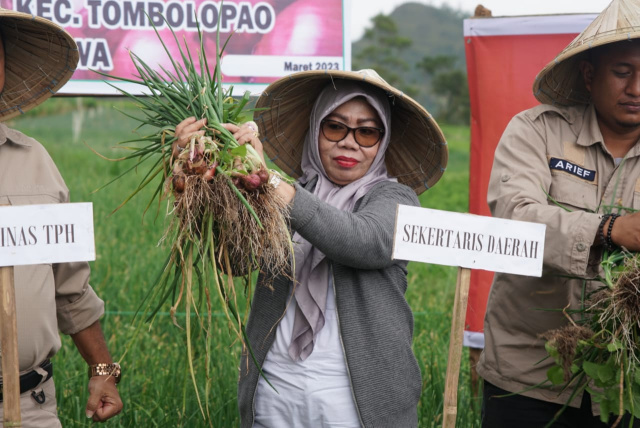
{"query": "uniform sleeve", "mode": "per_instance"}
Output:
(519, 179)
(77, 305)
(362, 239)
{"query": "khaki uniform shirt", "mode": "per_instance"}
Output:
(559, 151)
(48, 297)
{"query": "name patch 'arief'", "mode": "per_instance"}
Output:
(572, 168)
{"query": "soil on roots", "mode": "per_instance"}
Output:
(565, 341)
(626, 294)
(235, 230)
(620, 312)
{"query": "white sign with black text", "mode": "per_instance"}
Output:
(469, 241)
(53, 233)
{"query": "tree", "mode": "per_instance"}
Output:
(383, 46)
(449, 84)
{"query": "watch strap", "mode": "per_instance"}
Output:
(106, 369)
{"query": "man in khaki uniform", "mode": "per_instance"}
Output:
(37, 58)
(572, 148)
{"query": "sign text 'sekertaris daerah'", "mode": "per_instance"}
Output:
(469, 241)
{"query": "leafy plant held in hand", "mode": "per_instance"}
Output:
(226, 220)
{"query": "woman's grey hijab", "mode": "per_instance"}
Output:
(312, 270)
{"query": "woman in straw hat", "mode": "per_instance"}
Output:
(37, 57)
(336, 347)
(579, 149)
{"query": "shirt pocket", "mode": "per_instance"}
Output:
(572, 193)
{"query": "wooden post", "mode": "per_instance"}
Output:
(9, 347)
(474, 358)
(455, 348)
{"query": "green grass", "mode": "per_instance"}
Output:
(155, 388)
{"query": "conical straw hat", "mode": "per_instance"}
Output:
(40, 57)
(560, 82)
(417, 154)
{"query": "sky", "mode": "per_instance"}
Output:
(363, 10)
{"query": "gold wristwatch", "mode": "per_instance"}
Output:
(106, 369)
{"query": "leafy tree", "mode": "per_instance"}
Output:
(382, 52)
(433, 64)
(449, 84)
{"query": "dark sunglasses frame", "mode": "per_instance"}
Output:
(349, 129)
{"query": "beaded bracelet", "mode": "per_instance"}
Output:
(603, 238)
(609, 243)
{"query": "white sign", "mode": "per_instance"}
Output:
(469, 241)
(54, 233)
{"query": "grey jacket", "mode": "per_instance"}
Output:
(376, 323)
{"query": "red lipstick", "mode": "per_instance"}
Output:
(346, 162)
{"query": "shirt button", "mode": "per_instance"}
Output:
(505, 178)
(581, 247)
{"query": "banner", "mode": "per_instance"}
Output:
(504, 55)
(269, 38)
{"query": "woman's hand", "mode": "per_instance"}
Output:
(190, 127)
(247, 133)
(244, 133)
(186, 130)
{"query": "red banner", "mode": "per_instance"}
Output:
(504, 55)
(269, 38)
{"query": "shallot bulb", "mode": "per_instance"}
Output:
(264, 175)
(211, 172)
(251, 181)
(178, 183)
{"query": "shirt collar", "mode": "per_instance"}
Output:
(589, 133)
(6, 135)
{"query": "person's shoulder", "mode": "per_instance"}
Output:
(394, 190)
(543, 118)
(390, 186)
(20, 139)
(29, 157)
(550, 112)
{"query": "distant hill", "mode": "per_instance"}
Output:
(433, 31)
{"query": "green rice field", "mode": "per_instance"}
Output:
(156, 388)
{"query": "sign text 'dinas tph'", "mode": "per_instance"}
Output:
(53, 233)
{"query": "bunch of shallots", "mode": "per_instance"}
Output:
(226, 220)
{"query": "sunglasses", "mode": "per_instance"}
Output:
(365, 136)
